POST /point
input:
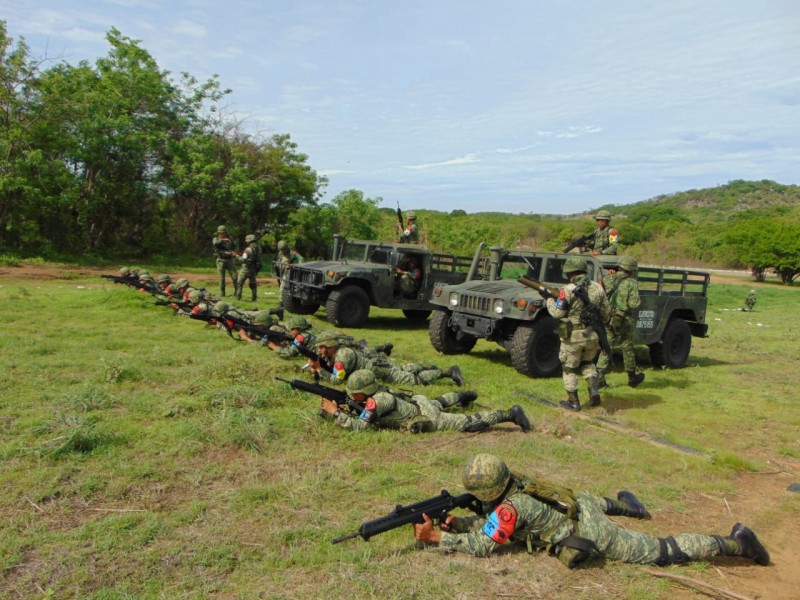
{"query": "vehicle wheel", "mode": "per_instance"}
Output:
(444, 339)
(673, 349)
(534, 348)
(417, 315)
(294, 306)
(348, 307)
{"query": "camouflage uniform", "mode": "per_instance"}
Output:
(750, 301)
(579, 344)
(178, 288)
(408, 277)
(623, 296)
(419, 414)
(604, 239)
(225, 251)
(303, 337)
(251, 265)
(348, 360)
(409, 235)
(283, 261)
(517, 516)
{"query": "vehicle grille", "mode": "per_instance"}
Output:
(476, 303)
(307, 277)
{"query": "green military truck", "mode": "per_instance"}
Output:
(361, 274)
(496, 307)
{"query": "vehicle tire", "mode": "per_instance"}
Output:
(294, 306)
(348, 307)
(673, 349)
(444, 339)
(534, 348)
(417, 315)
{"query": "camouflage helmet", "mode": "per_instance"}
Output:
(485, 476)
(164, 279)
(627, 263)
(220, 308)
(282, 245)
(124, 271)
(574, 264)
(264, 318)
(298, 322)
(182, 282)
(250, 238)
(752, 291)
(222, 229)
(603, 214)
(362, 382)
(411, 215)
(329, 338)
(196, 296)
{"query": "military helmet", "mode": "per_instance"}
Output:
(250, 238)
(264, 318)
(752, 291)
(362, 382)
(222, 229)
(627, 263)
(603, 214)
(329, 338)
(298, 322)
(164, 279)
(485, 476)
(282, 245)
(411, 215)
(124, 271)
(182, 282)
(196, 296)
(573, 264)
(220, 308)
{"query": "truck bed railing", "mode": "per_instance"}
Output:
(653, 281)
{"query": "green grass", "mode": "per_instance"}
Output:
(146, 456)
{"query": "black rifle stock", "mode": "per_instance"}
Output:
(323, 391)
(538, 286)
(121, 279)
(209, 318)
(579, 243)
(436, 508)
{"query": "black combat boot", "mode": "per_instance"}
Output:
(519, 418)
(594, 393)
(385, 348)
(635, 378)
(626, 505)
(601, 379)
(466, 397)
(254, 295)
(278, 312)
(222, 291)
(748, 544)
(454, 373)
(572, 402)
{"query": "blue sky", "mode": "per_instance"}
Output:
(517, 105)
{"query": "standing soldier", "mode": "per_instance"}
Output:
(409, 234)
(225, 250)
(579, 341)
(622, 291)
(750, 301)
(382, 409)
(251, 265)
(283, 261)
(604, 239)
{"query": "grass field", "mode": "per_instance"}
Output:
(146, 456)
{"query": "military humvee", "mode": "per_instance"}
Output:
(496, 307)
(361, 273)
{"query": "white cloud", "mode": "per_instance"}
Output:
(461, 160)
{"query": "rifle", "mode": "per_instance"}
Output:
(209, 318)
(436, 508)
(580, 242)
(538, 286)
(399, 216)
(178, 303)
(592, 317)
(121, 279)
(323, 391)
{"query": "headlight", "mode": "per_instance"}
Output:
(453, 299)
(497, 306)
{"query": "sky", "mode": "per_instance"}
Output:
(519, 106)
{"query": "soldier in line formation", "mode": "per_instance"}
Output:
(534, 514)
